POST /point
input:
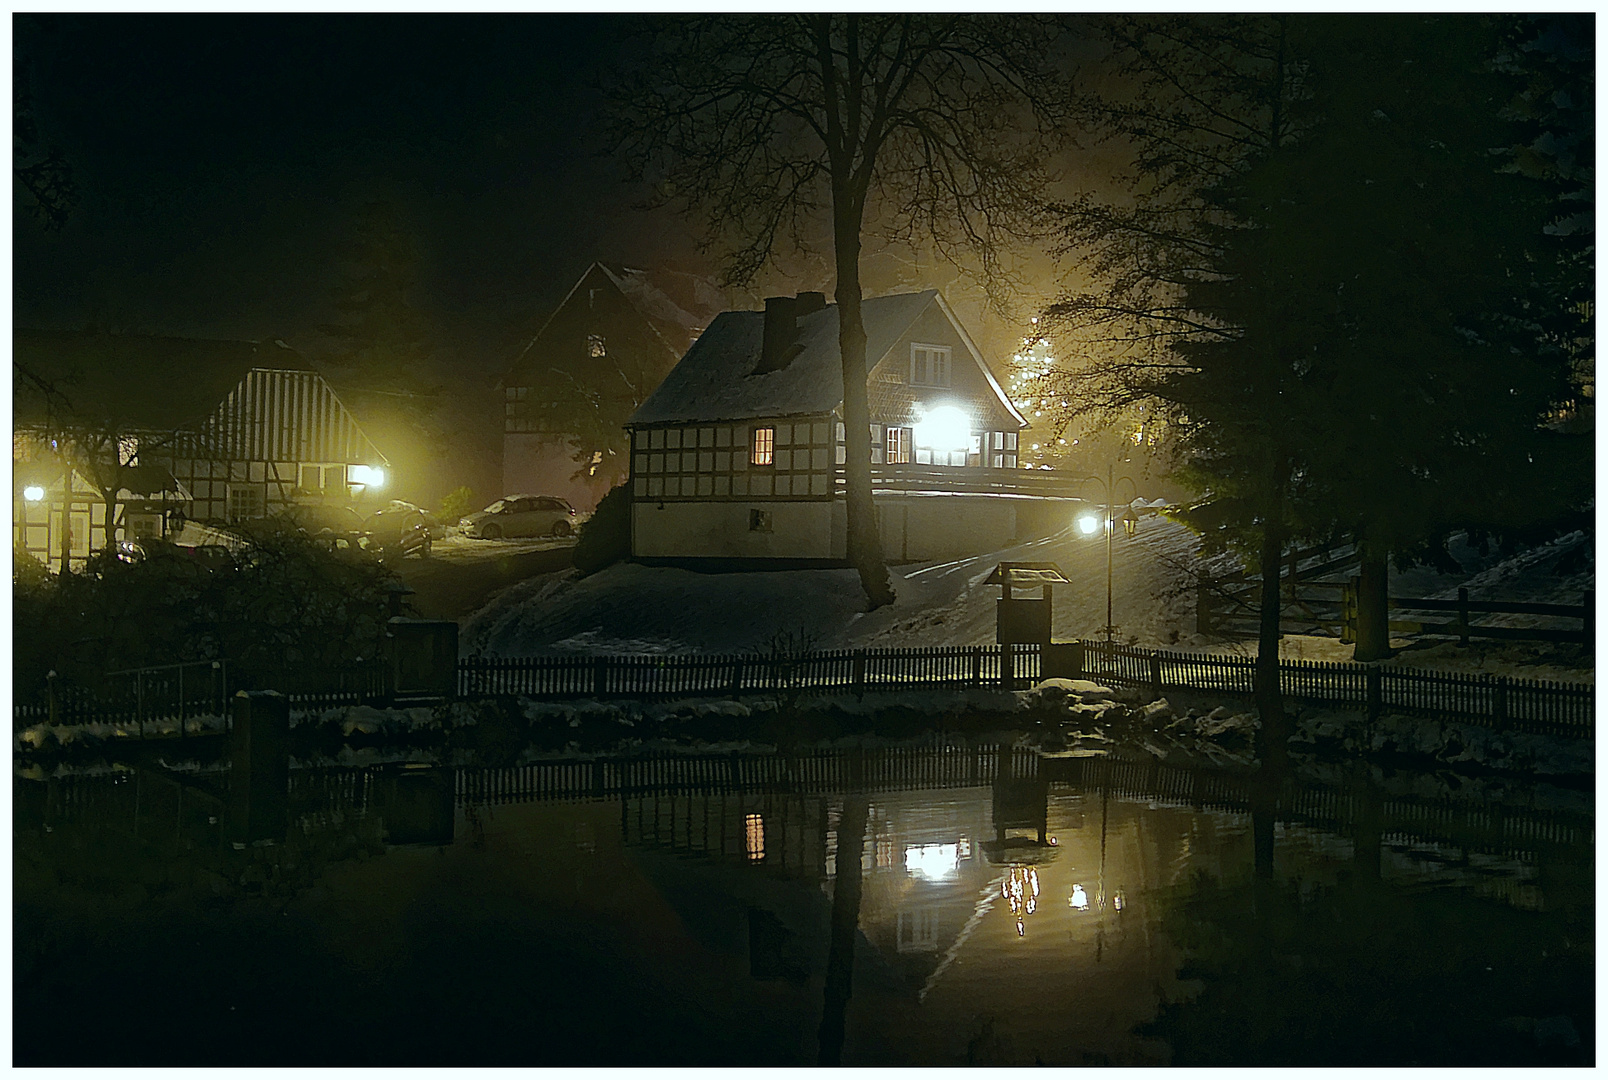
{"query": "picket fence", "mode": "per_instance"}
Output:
(1530, 705)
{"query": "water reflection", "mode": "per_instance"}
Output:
(795, 927)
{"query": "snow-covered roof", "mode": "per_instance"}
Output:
(715, 380)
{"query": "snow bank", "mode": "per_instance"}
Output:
(637, 610)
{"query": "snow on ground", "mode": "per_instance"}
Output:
(633, 609)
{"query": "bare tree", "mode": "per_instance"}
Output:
(932, 127)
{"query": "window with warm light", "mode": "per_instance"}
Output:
(763, 449)
(898, 450)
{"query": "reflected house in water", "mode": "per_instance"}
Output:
(953, 923)
(720, 906)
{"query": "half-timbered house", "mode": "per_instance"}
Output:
(176, 429)
(601, 352)
(738, 457)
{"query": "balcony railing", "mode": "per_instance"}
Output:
(972, 480)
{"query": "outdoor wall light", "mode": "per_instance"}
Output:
(367, 475)
(33, 493)
(1088, 524)
(944, 428)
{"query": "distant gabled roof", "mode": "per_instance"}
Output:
(140, 380)
(715, 380)
(675, 306)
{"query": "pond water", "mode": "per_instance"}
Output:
(1014, 921)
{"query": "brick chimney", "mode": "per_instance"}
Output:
(782, 313)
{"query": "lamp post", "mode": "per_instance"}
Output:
(1130, 524)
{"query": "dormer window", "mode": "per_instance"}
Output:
(595, 348)
(929, 365)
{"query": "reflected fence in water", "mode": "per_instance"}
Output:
(148, 801)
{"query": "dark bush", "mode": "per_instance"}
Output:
(285, 604)
(606, 536)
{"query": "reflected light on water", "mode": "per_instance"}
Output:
(754, 836)
(1020, 889)
(932, 861)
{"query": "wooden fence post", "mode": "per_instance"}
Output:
(1155, 672)
(977, 665)
(1079, 667)
(1499, 702)
(1007, 667)
(1376, 696)
(736, 676)
(859, 672)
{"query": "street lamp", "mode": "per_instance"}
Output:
(1130, 524)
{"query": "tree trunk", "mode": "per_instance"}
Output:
(1373, 607)
(845, 925)
(1273, 736)
(110, 499)
(864, 544)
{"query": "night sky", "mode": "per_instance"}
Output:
(221, 159)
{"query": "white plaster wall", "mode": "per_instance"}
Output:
(799, 530)
(914, 528)
(917, 528)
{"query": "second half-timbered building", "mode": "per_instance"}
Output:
(157, 431)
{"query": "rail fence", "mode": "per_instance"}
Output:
(1528, 705)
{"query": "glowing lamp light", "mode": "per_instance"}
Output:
(1088, 524)
(931, 861)
(33, 493)
(944, 428)
(1079, 899)
(367, 475)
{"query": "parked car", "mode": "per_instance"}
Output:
(522, 515)
(438, 528)
(209, 558)
(398, 531)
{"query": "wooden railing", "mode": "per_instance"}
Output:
(972, 480)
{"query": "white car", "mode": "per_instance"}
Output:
(522, 515)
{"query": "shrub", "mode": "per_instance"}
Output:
(455, 504)
(606, 535)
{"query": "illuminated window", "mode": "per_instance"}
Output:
(128, 450)
(898, 446)
(929, 365)
(763, 450)
(595, 347)
(754, 836)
